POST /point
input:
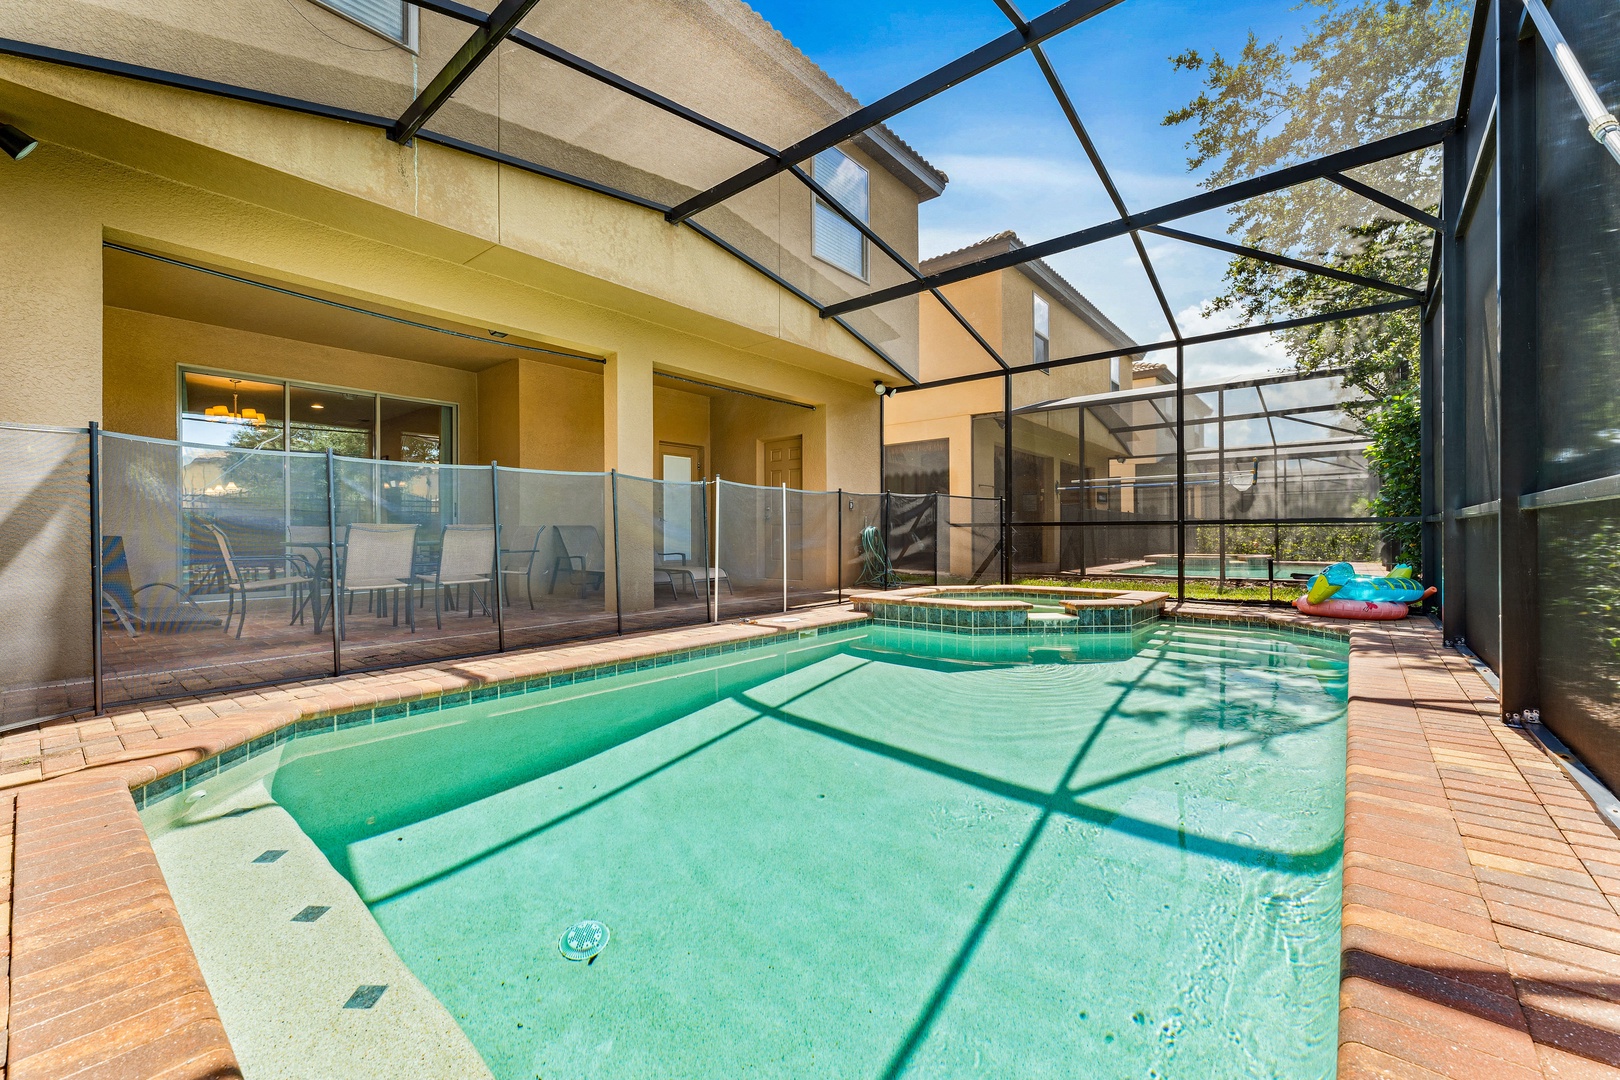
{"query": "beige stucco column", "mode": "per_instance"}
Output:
(627, 433)
(627, 403)
(50, 276)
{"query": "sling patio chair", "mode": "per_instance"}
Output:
(517, 562)
(581, 558)
(669, 568)
(170, 612)
(466, 557)
(237, 584)
(377, 559)
(701, 576)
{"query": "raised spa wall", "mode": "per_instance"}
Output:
(1000, 609)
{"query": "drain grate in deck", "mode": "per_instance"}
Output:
(311, 913)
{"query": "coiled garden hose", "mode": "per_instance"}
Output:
(875, 568)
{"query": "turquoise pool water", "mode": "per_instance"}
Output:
(1209, 565)
(878, 853)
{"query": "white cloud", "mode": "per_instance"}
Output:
(1244, 357)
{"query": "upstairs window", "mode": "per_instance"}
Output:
(1043, 331)
(835, 240)
(393, 19)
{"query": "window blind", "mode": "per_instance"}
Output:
(836, 240)
(1043, 331)
(387, 17)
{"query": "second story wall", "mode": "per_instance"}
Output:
(715, 56)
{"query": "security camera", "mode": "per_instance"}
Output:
(17, 144)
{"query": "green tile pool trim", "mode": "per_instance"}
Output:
(325, 722)
(1334, 633)
(966, 619)
(1104, 619)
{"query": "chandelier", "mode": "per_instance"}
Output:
(220, 412)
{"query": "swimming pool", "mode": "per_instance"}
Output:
(1242, 567)
(876, 852)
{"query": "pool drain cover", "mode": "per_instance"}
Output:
(583, 940)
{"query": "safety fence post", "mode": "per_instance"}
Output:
(332, 609)
(96, 584)
(618, 593)
(714, 563)
(500, 578)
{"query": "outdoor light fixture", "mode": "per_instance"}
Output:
(316, 405)
(16, 143)
(220, 412)
(879, 389)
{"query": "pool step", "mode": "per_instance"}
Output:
(1248, 638)
(1217, 650)
(1245, 643)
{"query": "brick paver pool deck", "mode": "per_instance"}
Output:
(1481, 926)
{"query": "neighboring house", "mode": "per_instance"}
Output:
(950, 439)
(1151, 373)
(593, 334)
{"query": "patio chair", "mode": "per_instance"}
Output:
(581, 558)
(700, 578)
(674, 567)
(377, 559)
(313, 538)
(235, 584)
(171, 612)
(466, 557)
(667, 567)
(257, 548)
(518, 562)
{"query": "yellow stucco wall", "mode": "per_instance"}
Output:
(1001, 306)
(742, 426)
(536, 415)
(713, 55)
(52, 371)
(336, 208)
(681, 416)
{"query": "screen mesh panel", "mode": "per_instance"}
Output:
(555, 556)
(752, 549)
(416, 562)
(45, 534)
(660, 551)
(813, 537)
(218, 559)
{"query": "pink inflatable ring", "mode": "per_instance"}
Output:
(1369, 610)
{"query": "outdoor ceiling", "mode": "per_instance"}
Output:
(139, 282)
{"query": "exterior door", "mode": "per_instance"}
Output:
(681, 510)
(784, 464)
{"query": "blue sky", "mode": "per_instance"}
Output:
(1012, 159)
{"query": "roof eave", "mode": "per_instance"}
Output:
(905, 163)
